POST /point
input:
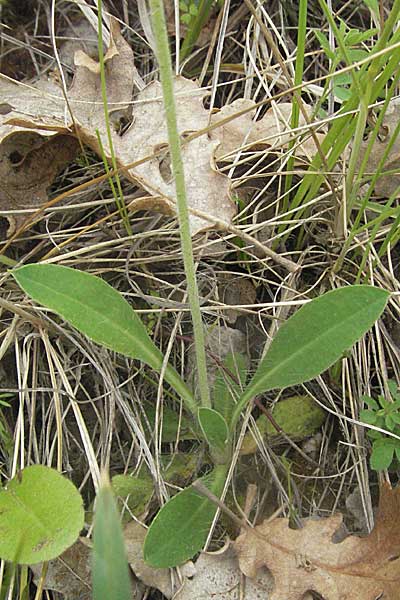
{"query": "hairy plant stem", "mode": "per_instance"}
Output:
(165, 65)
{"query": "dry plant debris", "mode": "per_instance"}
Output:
(28, 165)
(144, 143)
(69, 574)
(386, 185)
(207, 190)
(306, 559)
(217, 575)
(273, 130)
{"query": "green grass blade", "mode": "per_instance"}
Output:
(110, 571)
(229, 384)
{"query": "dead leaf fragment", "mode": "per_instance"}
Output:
(29, 164)
(217, 575)
(134, 535)
(272, 131)
(306, 559)
(69, 574)
(386, 185)
(207, 189)
(235, 291)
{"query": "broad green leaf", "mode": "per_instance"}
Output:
(382, 454)
(110, 572)
(92, 306)
(229, 383)
(368, 416)
(41, 515)
(181, 527)
(214, 427)
(133, 494)
(316, 336)
(298, 416)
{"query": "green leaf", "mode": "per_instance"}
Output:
(368, 416)
(324, 42)
(214, 427)
(370, 402)
(382, 454)
(316, 336)
(100, 312)
(396, 418)
(394, 390)
(41, 515)
(110, 570)
(298, 416)
(186, 18)
(92, 306)
(181, 527)
(134, 494)
(390, 424)
(355, 36)
(227, 389)
(171, 425)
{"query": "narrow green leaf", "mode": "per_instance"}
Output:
(100, 312)
(181, 527)
(92, 306)
(229, 383)
(316, 336)
(214, 427)
(110, 572)
(41, 515)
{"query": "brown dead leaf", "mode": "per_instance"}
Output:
(207, 190)
(272, 131)
(387, 184)
(134, 535)
(306, 559)
(69, 574)
(28, 165)
(235, 291)
(217, 575)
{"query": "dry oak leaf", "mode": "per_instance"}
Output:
(28, 165)
(306, 559)
(207, 189)
(386, 185)
(272, 131)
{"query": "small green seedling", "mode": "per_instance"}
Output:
(384, 414)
